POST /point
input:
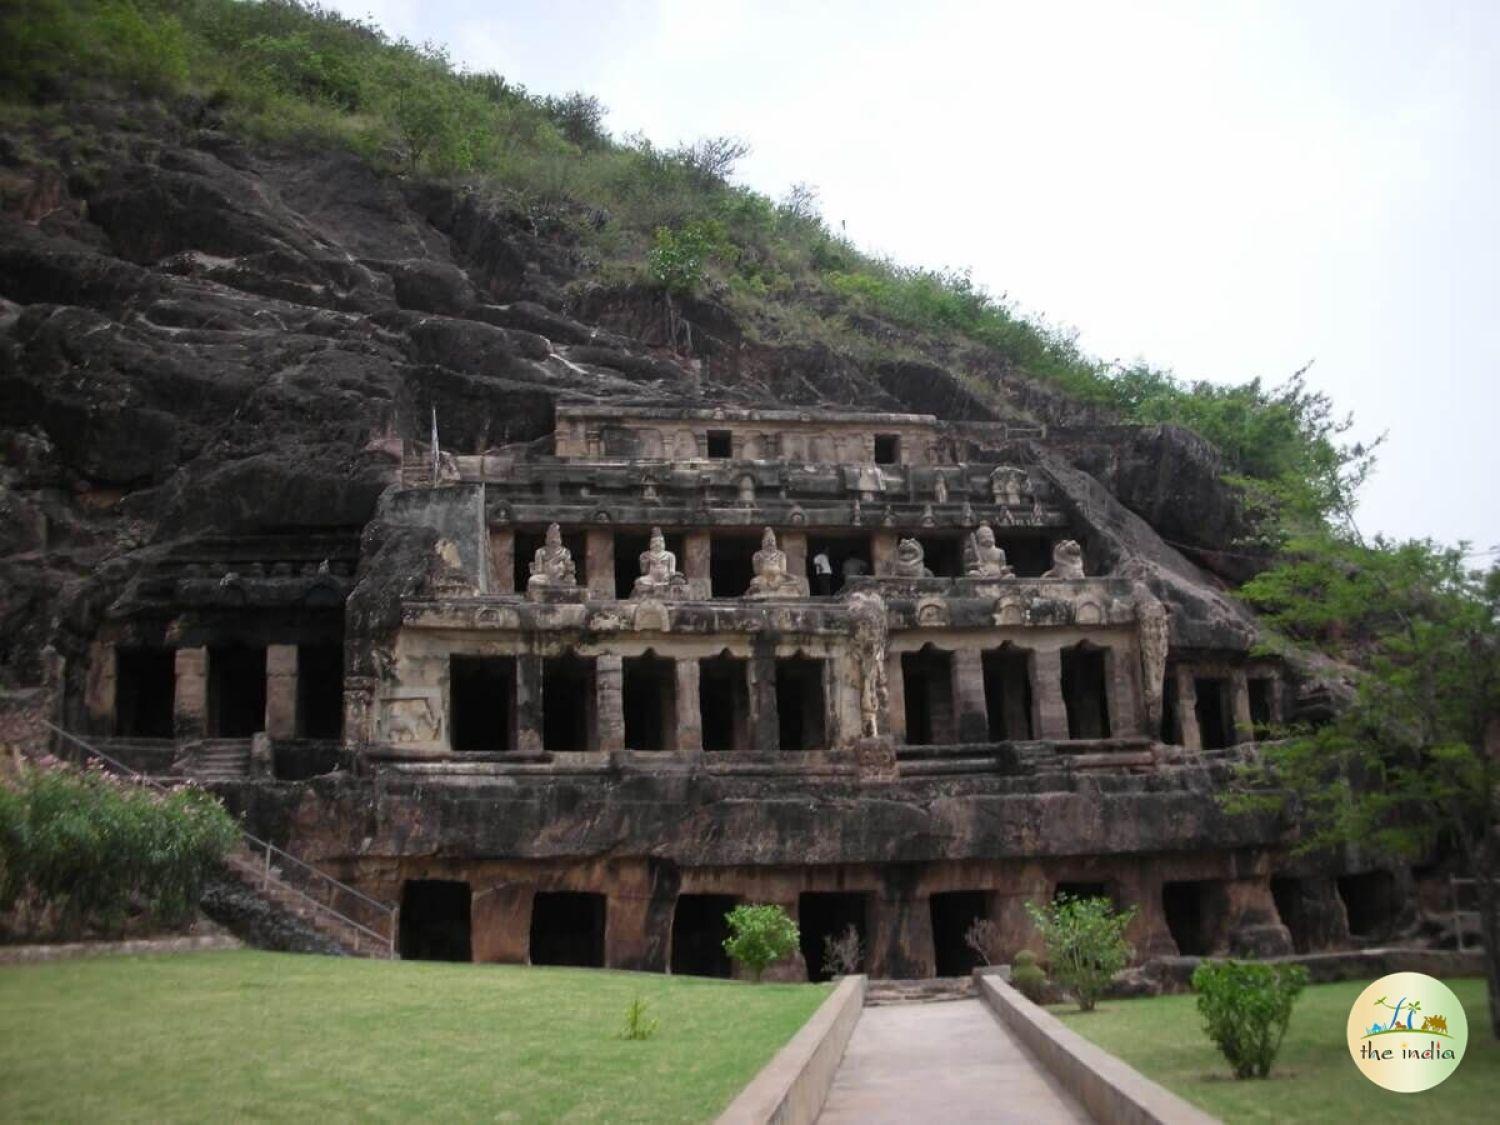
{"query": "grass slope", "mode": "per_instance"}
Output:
(1313, 1080)
(264, 1035)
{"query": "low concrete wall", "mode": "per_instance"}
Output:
(1108, 1089)
(22, 954)
(791, 1088)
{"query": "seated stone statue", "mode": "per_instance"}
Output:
(552, 566)
(909, 560)
(982, 558)
(659, 575)
(1067, 560)
(771, 578)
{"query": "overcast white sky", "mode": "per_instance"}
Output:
(1226, 190)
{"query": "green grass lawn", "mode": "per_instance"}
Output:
(240, 1035)
(1314, 1078)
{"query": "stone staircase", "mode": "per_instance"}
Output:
(935, 990)
(306, 906)
(214, 759)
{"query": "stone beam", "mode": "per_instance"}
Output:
(689, 738)
(599, 562)
(1047, 695)
(609, 684)
(190, 701)
(695, 563)
(969, 711)
(281, 691)
(528, 709)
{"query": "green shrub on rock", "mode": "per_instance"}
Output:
(1245, 1008)
(1086, 946)
(759, 936)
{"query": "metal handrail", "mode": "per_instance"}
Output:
(256, 843)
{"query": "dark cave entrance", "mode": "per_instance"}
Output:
(698, 933)
(1171, 729)
(1084, 890)
(731, 564)
(1262, 711)
(1007, 693)
(629, 547)
(649, 687)
(1192, 911)
(236, 691)
(927, 681)
(145, 692)
(481, 700)
(1215, 711)
(724, 703)
(567, 928)
(320, 691)
(1030, 556)
(568, 703)
(1371, 903)
(1085, 679)
(799, 704)
(827, 915)
(953, 912)
(887, 449)
(849, 553)
(943, 555)
(435, 920)
(1292, 896)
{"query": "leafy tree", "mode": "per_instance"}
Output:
(1245, 1009)
(678, 258)
(1413, 764)
(1086, 946)
(759, 936)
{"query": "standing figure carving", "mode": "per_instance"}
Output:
(771, 577)
(552, 565)
(982, 557)
(1010, 486)
(868, 616)
(660, 577)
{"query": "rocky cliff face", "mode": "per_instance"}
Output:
(201, 341)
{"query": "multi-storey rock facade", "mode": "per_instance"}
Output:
(568, 702)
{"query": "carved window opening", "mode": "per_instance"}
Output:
(698, 934)
(943, 554)
(1296, 903)
(527, 544)
(481, 703)
(1085, 687)
(724, 703)
(1194, 912)
(236, 691)
(650, 702)
(1030, 556)
(887, 449)
(1007, 693)
(320, 691)
(1371, 902)
(435, 923)
(927, 682)
(720, 444)
(567, 928)
(1215, 711)
(568, 704)
(731, 564)
(1262, 704)
(629, 546)
(1171, 726)
(828, 915)
(799, 704)
(145, 691)
(849, 556)
(953, 912)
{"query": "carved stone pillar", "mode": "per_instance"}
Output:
(528, 710)
(1123, 696)
(895, 702)
(1047, 695)
(1244, 724)
(609, 682)
(502, 560)
(794, 543)
(695, 563)
(99, 688)
(599, 563)
(882, 550)
(765, 723)
(689, 718)
(1187, 710)
(281, 691)
(501, 927)
(190, 700)
(968, 696)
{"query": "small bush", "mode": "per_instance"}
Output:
(637, 1026)
(759, 936)
(843, 955)
(1086, 946)
(1245, 1008)
(678, 258)
(86, 852)
(1027, 976)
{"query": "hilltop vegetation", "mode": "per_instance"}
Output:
(288, 72)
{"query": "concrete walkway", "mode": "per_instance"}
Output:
(947, 1062)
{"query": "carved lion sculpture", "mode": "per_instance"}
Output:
(1067, 560)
